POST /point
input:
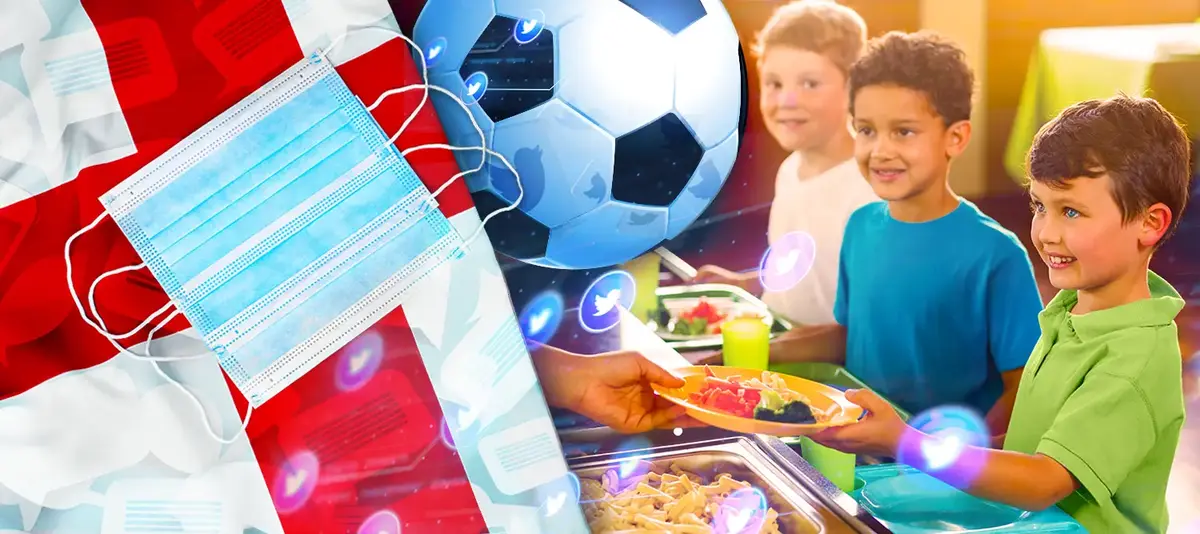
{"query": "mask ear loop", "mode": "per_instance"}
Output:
(379, 100)
(101, 328)
(91, 298)
(424, 98)
(154, 360)
(191, 396)
(483, 157)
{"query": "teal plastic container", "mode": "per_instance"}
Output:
(908, 501)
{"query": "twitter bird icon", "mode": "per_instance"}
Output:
(605, 303)
(787, 261)
(599, 309)
(530, 27)
(540, 317)
(477, 84)
(433, 51)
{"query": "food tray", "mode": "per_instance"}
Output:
(740, 459)
(911, 502)
(741, 298)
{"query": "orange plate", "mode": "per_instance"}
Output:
(821, 397)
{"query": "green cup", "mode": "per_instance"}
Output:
(746, 343)
(837, 466)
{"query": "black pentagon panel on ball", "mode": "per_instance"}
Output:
(745, 112)
(520, 77)
(654, 163)
(513, 233)
(671, 15)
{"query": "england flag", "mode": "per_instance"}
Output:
(429, 420)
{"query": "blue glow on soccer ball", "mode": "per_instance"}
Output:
(621, 117)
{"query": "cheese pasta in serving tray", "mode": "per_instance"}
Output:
(695, 492)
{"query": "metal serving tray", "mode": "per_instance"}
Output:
(800, 510)
(779, 325)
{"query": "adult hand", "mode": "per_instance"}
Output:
(613, 389)
(877, 434)
(712, 274)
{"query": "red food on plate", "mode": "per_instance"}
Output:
(730, 396)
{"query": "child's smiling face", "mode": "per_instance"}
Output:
(1082, 236)
(902, 144)
(803, 98)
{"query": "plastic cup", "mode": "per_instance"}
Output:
(746, 343)
(644, 269)
(837, 466)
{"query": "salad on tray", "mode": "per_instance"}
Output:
(766, 399)
(704, 317)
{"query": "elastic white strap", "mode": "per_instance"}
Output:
(112, 339)
(191, 396)
(424, 98)
(379, 100)
(92, 304)
(100, 328)
(487, 151)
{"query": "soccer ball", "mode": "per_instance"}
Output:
(621, 117)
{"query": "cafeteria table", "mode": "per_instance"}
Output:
(1074, 64)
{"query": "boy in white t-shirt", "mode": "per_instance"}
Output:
(804, 54)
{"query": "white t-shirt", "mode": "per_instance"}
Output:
(819, 206)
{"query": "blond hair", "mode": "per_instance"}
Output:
(821, 26)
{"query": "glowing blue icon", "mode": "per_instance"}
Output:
(434, 51)
(295, 482)
(743, 511)
(529, 28)
(381, 522)
(787, 261)
(560, 496)
(599, 310)
(359, 361)
(948, 431)
(541, 317)
(477, 84)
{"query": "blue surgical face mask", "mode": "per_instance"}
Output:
(283, 228)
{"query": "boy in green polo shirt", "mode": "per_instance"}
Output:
(1100, 403)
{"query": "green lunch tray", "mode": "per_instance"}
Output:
(779, 325)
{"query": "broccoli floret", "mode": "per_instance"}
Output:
(794, 412)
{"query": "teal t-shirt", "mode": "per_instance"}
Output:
(935, 311)
(1103, 396)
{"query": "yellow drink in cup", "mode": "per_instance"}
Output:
(644, 270)
(746, 343)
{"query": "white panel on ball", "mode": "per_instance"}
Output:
(616, 67)
(709, 100)
(565, 162)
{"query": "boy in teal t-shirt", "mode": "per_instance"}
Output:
(936, 302)
(1100, 403)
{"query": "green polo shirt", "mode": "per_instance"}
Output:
(1102, 394)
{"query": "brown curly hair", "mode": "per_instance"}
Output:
(923, 61)
(821, 26)
(1137, 142)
